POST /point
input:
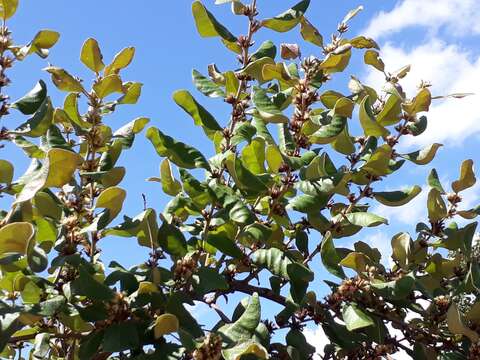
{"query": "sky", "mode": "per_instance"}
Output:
(439, 38)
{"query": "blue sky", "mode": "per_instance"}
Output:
(440, 38)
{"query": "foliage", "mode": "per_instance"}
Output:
(287, 180)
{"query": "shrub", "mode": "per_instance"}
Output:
(269, 204)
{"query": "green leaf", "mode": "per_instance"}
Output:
(244, 328)
(108, 85)
(172, 240)
(418, 126)
(437, 209)
(32, 101)
(355, 318)
(253, 156)
(434, 181)
(120, 61)
(244, 179)
(165, 324)
(370, 126)
(222, 238)
(397, 198)
(308, 203)
(39, 123)
(208, 26)
(288, 19)
(467, 177)
(91, 56)
(120, 337)
(87, 285)
(328, 133)
(6, 172)
(8, 9)
(126, 134)
(365, 219)
(278, 264)
(56, 171)
(206, 86)
(170, 185)
(296, 338)
(330, 258)
(255, 68)
(200, 115)
(209, 280)
(270, 109)
(14, 237)
(423, 156)
(63, 80)
(267, 49)
(177, 152)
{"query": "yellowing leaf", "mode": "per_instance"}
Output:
(108, 85)
(420, 103)
(165, 324)
(56, 171)
(111, 199)
(147, 287)
(370, 126)
(372, 57)
(91, 55)
(437, 209)
(401, 244)
(208, 26)
(337, 62)
(133, 91)
(423, 156)
(456, 325)
(14, 237)
(43, 40)
(63, 80)
(120, 61)
(467, 177)
(310, 33)
(6, 172)
(8, 8)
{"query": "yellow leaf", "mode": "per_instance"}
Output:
(14, 237)
(165, 324)
(91, 55)
(108, 85)
(8, 8)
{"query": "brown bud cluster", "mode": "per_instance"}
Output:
(118, 310)
(184, 268)
(211, 348)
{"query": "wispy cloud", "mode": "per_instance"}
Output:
(450, 69)
(459, 17)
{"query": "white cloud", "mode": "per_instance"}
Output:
(316, 338)
(450, 69)
(458, 16)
